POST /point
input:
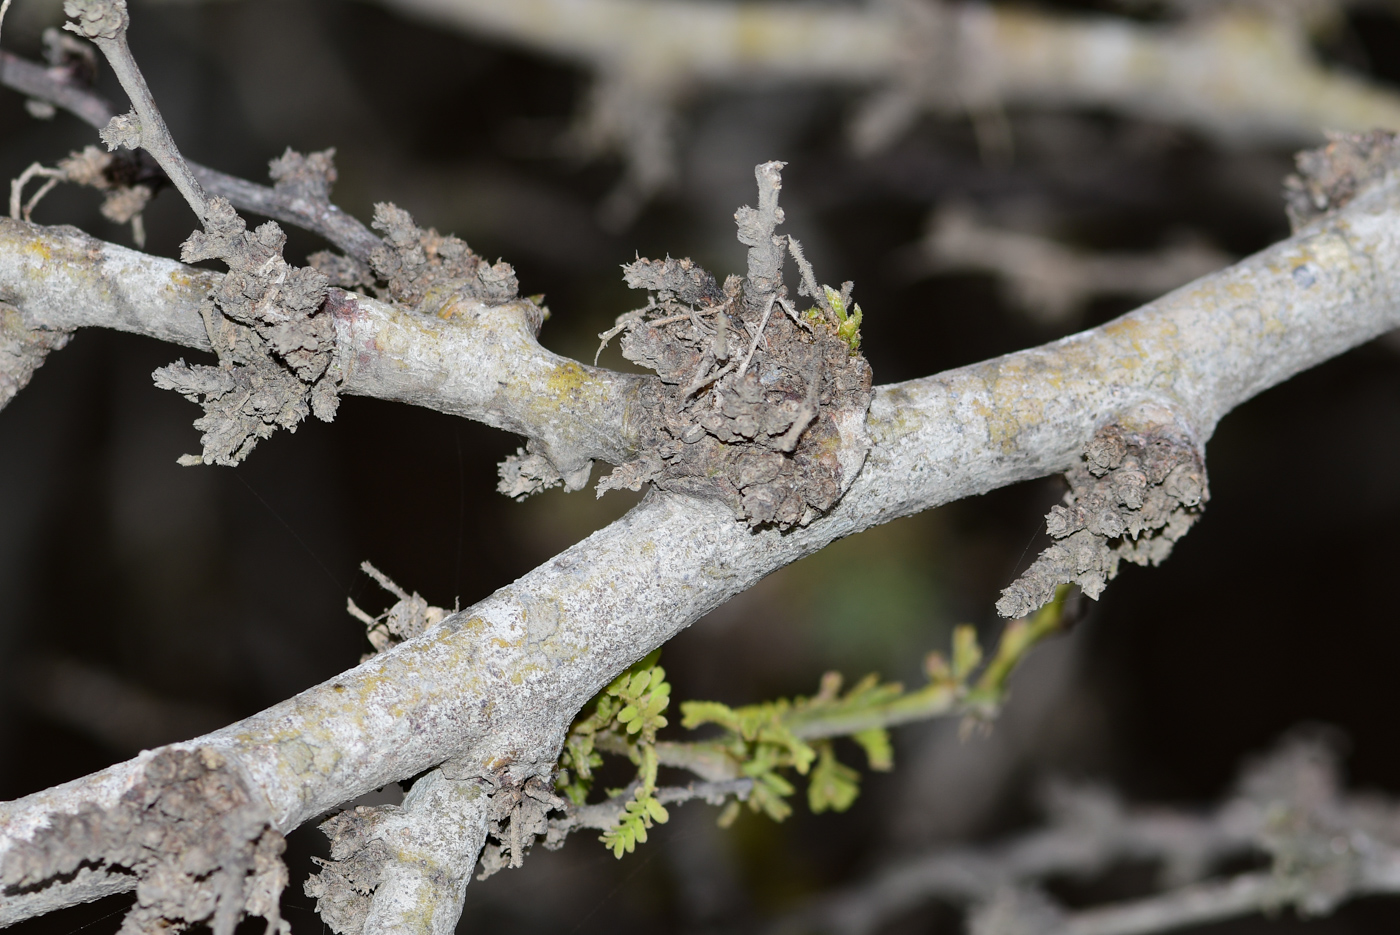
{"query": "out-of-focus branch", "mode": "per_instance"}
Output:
(53, 86)
(492, 690)
(1239, 76)
(122, 716)
(1326, 847)
(1050, 281)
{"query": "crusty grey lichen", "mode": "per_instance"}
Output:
(527, 472)
(1330, 176)
(304, 176)
(22, 351)
(274, 343)
(96, 19)
(189, 829)
(418, 265)
(123, 132)
(761, 405)
(345, 883)
(1140, 486)
(519, 812)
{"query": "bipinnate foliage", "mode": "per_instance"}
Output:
(629, 712)
(769, 742)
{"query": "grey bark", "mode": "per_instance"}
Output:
(496, 686)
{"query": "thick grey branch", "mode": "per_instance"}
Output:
(473, 360)
(495, 687)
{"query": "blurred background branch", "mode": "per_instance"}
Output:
(225, 590)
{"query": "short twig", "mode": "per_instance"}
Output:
(794, 314)
(808, 410)
(54, 176)
(809, 277)
(703, 377)
(720, 344)
(354, 610)
(320, 217)
(624, 321)
(106, 26)
(758, 335)
(671, 319)
(384, 580)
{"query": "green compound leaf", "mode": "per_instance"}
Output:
(878, 750)
(769, 741)
(833, 785)
(966, 652)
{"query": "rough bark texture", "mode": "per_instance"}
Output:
(393, 871)
(189, 832)
(1141, 485)
(22, 350)
(762, 407)
(493, 688)
(459, 356)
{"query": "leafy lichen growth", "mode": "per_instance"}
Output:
(762, 404)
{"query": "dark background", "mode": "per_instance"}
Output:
(141, 602)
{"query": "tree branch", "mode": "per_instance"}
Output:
(283, 203)
(1326, 847)
(473, 360)
(494, 688)
(1235, 76)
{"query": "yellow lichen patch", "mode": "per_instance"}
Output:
(393, 340)
(472, 625)
(568, 378)
(40, 249)
(523, 672)
(452, 308)
(753, 32)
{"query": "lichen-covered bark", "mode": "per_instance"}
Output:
(457, 354)
(494, 687)
(392, 871)
(188, 832)
(1141, 486)
(22, 350)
